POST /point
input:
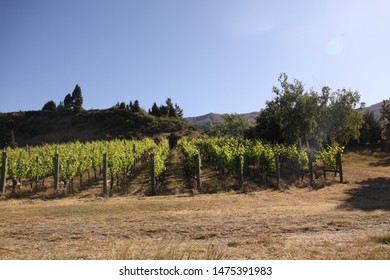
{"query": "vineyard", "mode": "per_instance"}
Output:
(111, 164)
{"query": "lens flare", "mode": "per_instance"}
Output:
(335, 46)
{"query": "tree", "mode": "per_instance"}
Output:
(267, 125)
(77, 99)
(68, 102)
(171, 108)
(299, 116)
(136, 107)
(49, 106)
(155, 110)
(343, 121)
(122, 106)
(168, 110)
(385, 122)
(164, 111)
(232, 125)
(370, 132)
(61, 106)
(179, 111)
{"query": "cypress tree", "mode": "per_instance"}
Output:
(77, 97)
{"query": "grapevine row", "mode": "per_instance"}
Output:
(191, 154)
(34, 163)
(226, 152)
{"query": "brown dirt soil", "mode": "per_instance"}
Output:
(341, 221)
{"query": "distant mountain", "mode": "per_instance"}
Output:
(205, 121)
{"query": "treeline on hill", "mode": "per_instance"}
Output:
(310, 118)
(68, 121)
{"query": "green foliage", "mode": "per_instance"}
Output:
(227, 150)
(161, 152)
(233, 125)
(168, 110)
(370, 132)
(49, 106)
(297, 115)
(385, 122)
(135, 108)
(191, 152)
(75, 158)
(343, 121)
(328, 156)
(77, 99)
(68, 102)
(74, 102)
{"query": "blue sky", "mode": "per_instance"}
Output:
(219, 56)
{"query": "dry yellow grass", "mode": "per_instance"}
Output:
(348, 221)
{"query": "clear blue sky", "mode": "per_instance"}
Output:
(219, 56)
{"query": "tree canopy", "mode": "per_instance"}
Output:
(49, 106)
(296, 115)
(168, 110)
(232, 125)
(73, 101)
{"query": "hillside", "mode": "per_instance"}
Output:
(376, 108)
(37, 127)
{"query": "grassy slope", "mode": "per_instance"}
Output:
(349, 221)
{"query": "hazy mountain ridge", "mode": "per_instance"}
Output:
(376, 108)
(205, 121)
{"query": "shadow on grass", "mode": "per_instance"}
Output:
(381, 162)
(372, 194)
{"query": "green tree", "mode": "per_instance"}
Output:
(68, 102)
(170, 108)
(296, 115)
(385, 122)
(232, 125)
(370, 132)
(343, 121)
(122, 106)
(49, 106)
(155, 110)
(268, 125)
(179, 111)
(136, 107)
(164, 111)
(61, 106)
(77, 99)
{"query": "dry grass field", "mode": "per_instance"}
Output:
(340, 221)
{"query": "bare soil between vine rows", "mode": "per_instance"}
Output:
(340, 221)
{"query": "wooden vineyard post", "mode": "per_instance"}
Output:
(152, 177)
(56, 163)
(3, 172)
(240, 171)
(277, 165)
(340, 167)
(105, 189)
(198, 180)
(309, 155)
